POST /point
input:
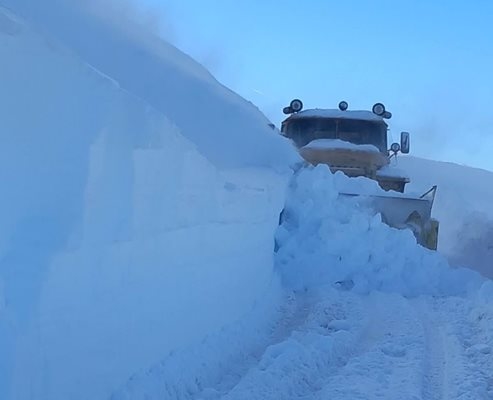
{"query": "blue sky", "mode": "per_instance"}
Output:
(431, 63)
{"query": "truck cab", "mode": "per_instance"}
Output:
(354, 142)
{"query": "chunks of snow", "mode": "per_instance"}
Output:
(326, 239)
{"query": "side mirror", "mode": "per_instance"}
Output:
(405, 142)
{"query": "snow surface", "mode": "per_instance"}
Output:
(139, 214)
(363, 115)
(324, 144)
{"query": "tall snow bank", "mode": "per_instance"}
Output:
(325, 239)
(119, 240)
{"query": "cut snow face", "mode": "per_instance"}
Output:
(326, 239)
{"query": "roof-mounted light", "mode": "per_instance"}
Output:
(296, 105)
(378, 109)
(343, 105)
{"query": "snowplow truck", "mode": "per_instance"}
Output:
(355, 142)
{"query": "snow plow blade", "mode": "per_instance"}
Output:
(407, 212)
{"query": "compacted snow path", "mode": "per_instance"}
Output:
(336, 344)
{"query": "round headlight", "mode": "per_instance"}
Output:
(395, 147)
(343, 105)
(378, 109)
(296, 105)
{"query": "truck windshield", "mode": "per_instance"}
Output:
(303, 131)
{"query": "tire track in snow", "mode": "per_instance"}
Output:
(387, 363)
(294, 313)
(457, 363)
(473, 372)
(368, 351)
(315, 346)
(482, 315)
(434, 362)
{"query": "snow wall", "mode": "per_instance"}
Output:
(120, 239)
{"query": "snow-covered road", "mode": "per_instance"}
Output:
(333, 343)
(381, 346)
